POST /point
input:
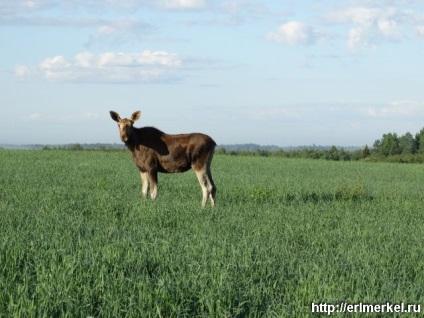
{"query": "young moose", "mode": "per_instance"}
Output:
(154, 151)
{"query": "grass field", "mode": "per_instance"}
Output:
(77, 239)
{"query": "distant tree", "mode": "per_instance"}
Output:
(376, 146)
(75, 147)
(389, 145)
(221, 151)
(344, 155)
(407, 144)
(333, 153)
(419, 141)
(278, 153)
(366, 152)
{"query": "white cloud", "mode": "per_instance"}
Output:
(131, 5)
(292, 33)
(362, 16)
(396, 109)
(389, 28)
(264, 113)
(120, 27)
(64, 118)
(31, 6)
(89, 116)
(116, 31)
(370, 25)
(362, 23)
(420, 30)
(34, 117)
(357, 38)
(106, 67)
(23, 71)
(28, 5)
(183, 4)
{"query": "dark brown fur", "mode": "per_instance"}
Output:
(154, 151)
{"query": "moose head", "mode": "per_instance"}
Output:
(125, 125)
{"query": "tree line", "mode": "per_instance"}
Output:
(390, 148)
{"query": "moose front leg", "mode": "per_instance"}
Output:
(153, 183)
(144, 183)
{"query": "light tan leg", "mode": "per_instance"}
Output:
(211, 187)
(203, 181)
(153, 182)
(144, 183)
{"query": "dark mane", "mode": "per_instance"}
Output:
(150, 129)
(149, 137)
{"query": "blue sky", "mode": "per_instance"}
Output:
(269, 72)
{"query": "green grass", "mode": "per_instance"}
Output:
(77, 239)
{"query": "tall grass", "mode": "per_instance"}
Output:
(77, 239)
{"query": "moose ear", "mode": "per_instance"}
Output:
(136, 115)
(115, 116)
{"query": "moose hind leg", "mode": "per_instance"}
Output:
(211, 187)
(144, 183)
(203, 181)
